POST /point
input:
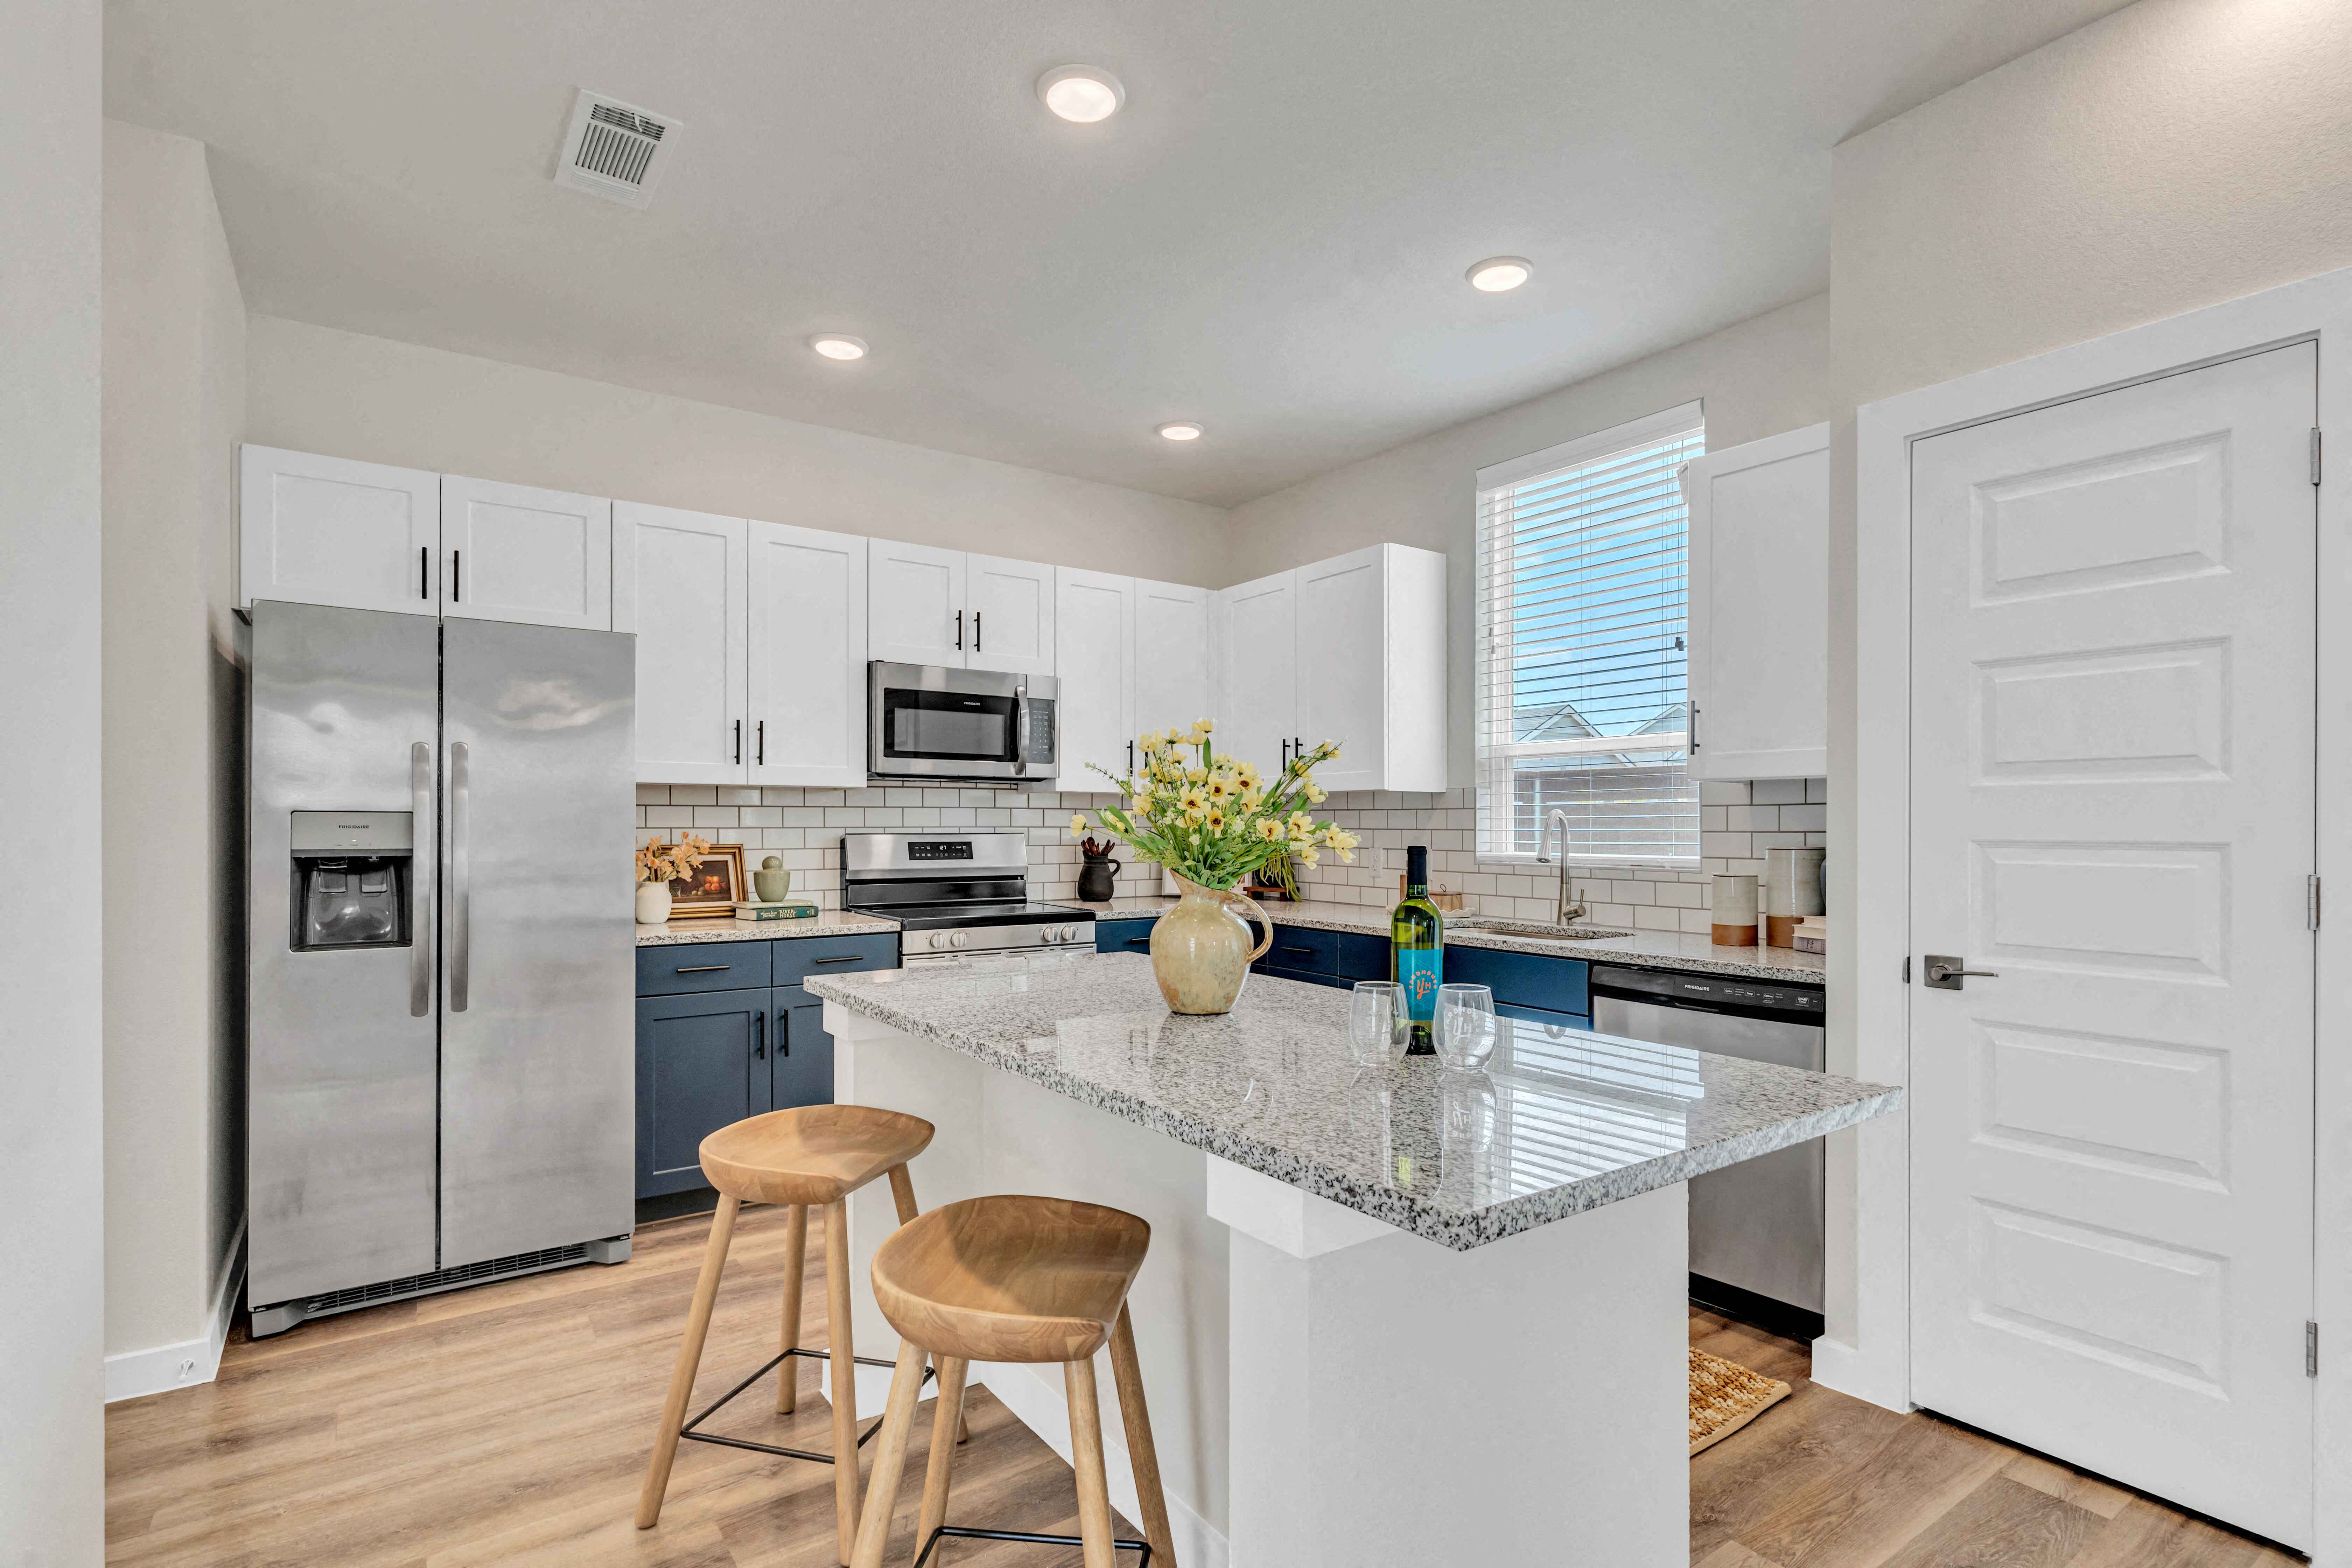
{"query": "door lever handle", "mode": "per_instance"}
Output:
(1945, 973)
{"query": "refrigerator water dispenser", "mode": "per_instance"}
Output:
(350, 871)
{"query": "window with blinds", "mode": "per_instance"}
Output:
(1582, 590)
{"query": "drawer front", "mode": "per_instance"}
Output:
(1365, 957)
(1525, 979)
(1304, 950)
(799, 958)
(1123, 936)
(703, 966)
(1538, 1015)
(1303, 976)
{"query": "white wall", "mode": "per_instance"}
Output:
(52, 1505)
(173, 405)
(2169, 156)
(1758, 378)
(316, 389)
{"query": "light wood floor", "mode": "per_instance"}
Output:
(508, 1425)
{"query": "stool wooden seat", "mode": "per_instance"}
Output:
(814, 1156)
(1010, 1278)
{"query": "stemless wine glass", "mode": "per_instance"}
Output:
(1465, 1024)
(1378, 1024)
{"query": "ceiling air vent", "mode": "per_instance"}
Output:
(615, 150)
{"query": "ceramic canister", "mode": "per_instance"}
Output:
(1734, 911)
(1792, 890)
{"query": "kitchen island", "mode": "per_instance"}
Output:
(1390, 1315)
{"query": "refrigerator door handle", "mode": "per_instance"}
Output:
(420, 881)
(461, 923)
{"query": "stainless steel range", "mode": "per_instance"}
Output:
(956, 896)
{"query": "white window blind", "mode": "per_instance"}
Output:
(1582, 594)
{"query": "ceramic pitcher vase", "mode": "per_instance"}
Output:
(1201, 950)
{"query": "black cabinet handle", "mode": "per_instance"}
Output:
(975, 631)
(1307, 950)
(958, 631)
(761, 755)
(1130, 756)
(844, 958)
(423, 570)
(783, 1036)
(759, 1050)
(456, 576)
(739, 741)
(1285, 754)
(1138, 942)
(701, 968)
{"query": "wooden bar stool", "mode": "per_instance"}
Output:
(1014, 1279)
(813, 1157)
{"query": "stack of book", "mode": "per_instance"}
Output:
(790, 909)
(1812, 934)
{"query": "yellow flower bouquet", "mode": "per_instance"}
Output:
(1213, 820)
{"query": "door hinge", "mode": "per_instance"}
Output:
(2315, 454)
(2311, 901)
(2311, 1349)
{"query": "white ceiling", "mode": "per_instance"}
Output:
(1269, 239)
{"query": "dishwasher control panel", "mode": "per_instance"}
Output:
(1672, 988)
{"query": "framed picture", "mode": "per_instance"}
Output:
(716, 887)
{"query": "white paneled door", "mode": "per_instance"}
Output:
(1094, 638)
(1343, 622)
(2113, 812)
(1259, 658)
(1172, 657)
(808, 606)
(915, 597)
(1011, 604)
(680, 588)
(511, 552)
(328, 530)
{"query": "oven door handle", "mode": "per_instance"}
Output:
(1021, 730)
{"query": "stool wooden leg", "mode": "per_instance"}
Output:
(788, 1377)
(1137, 1416)
(1086, 1447)
(945, 1420)
(845, 1375)
(689, 1358)
(902, 1192)
(891, 1456)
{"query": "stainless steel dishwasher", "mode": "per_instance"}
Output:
(1756, 1227)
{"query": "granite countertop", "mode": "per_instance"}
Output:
(1644, 950)
(827, 922)
(1560, 1120)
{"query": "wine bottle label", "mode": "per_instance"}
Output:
(1418, 972)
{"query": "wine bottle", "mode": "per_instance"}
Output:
(1417, 951)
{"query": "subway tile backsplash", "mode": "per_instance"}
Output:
(1738, 823)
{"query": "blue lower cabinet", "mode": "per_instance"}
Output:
(1123, 936)
(801, 1063)
(1302, 950)
(1305, 977)
(702, 1063)
(1538, 1015)
(1365, 958)
(1557, 985)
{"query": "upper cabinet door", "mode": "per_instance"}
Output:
(511, 552)
(1094, 639)
(680, 587)
(1759, 639)
(1011, 604)
(1172, 655)
(808, 657)
(328, 530)
(1343, 622)
(915, 597)
(1259, 657)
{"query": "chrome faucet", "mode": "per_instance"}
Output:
(1562, 911)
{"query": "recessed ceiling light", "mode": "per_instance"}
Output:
(838, 345)
(1499, 274)
(1081, 93)
(1180, 430)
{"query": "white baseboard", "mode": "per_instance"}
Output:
(136, 1373)
(1838, 1365)
(1033, 1395)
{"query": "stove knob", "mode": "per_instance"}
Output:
(938, 939)
(1051, 933)
(957, 938)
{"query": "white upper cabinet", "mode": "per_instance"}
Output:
(1372, 640)
(1172, 657)
(915, 596)
(511, 552)
(1011, 606)
(679, 584)
(328, 530)
(1758, 637)
(1095, 639)
(1258, 718)
(1351, 650)
(808, 599)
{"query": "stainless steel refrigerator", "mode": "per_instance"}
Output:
(441, 959)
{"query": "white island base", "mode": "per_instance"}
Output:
(1326, 1389)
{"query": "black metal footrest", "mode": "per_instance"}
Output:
(1144, 1547)
(688, 1433)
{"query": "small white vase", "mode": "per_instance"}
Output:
(653, 903)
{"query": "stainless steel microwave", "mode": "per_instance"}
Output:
(979, 726)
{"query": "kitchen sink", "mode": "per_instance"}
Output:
(1538, 930)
